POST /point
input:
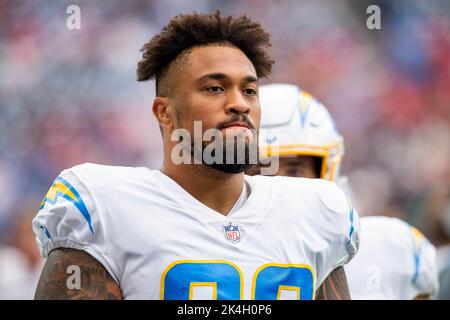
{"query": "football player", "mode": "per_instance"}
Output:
(395, 261)
(196, 229)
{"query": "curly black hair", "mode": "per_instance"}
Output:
(186, 31)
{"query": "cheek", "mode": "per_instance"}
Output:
(199, 109)
(255, 116)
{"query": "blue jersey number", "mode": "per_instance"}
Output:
(226, 280)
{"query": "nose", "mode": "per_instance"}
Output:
(236, 103)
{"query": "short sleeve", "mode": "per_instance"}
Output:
(69, 217)
(339, 224)
(424, 280)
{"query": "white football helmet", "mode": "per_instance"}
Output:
(294, 123)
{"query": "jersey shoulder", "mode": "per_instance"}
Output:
(325, 212)
(71, 215)
(405, 243)
(393, 232)
(85, 191)
(104, 175)
(72, 212)
(312, 193)
(106, 184)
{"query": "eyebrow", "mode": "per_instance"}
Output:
(223, 76)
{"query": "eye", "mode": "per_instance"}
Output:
(250, 91)
(214, 89)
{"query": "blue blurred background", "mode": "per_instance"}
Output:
(71, 96)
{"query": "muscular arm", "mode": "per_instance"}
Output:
(96, 283)
(334, 287)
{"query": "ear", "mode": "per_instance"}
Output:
(163, 112)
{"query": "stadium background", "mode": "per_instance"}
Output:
(71, 96)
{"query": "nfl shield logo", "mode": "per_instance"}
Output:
(232, 233)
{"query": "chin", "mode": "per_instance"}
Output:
(232, 168)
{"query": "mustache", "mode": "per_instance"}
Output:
(237, 118)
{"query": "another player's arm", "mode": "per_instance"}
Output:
(96, 283)
(334, 287)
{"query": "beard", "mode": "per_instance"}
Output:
(231, 154)
(234, 156)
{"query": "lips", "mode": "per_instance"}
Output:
(236, 124)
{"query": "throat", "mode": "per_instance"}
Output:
(224, 194)
(228, 206)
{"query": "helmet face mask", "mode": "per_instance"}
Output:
(294, 123)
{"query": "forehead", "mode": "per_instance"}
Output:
(218, 59)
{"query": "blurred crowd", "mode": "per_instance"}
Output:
(71, 96)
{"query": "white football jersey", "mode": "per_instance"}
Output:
(394, 262)
(159, 242)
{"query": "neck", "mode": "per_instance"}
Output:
(215, 189)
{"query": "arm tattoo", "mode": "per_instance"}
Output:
(334, 287)
(95, 284)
